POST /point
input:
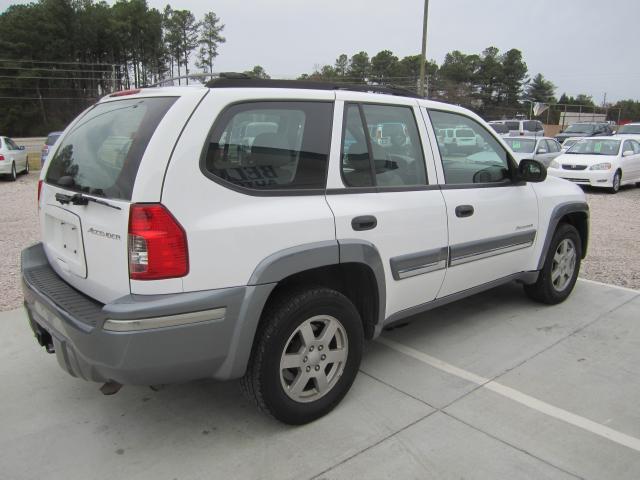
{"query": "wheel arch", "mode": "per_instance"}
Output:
(352, 267)
(573, 213)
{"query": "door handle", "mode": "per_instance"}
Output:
(365, 222)
(464, 211)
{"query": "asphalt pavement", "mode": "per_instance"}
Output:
(494, 386)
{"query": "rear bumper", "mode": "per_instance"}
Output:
(5, 167)
(142, 339)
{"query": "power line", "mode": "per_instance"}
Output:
(55, 69)
(49, 98)
(56, 78)
(56, 62)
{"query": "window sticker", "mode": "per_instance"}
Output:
(597, 147)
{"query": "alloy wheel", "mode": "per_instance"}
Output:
(314, 358)
(564, 264)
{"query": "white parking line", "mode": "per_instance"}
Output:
(626, 289)
(517, 396)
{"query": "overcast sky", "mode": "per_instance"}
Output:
(582, 46)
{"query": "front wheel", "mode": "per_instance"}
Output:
(26, 168)
(13, 175)
(561, 267)
(306, 355)
(615, 184)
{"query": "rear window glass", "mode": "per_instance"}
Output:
(102, 153)
(271, 145)
(499, 127)
(51, 139)
(513, 125)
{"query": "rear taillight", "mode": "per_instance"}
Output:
(157, 244)
(1, 158)
(39, 190)
(45, 149)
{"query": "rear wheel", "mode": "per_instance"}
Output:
(617, 178)
(561, 267)
(306, 355)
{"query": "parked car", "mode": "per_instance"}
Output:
(630, 129)
(48, 143)
(521, 127)
(180, 256)
(585, 129)
(600, 162)
(13, 159)
(542, 149)
(568, 143)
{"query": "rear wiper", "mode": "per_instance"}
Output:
(80, 199)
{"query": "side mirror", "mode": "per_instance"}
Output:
(531, 171)
(626, 153)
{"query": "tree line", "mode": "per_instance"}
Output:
(492, 83)
(58, 56)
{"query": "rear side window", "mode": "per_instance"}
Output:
(513, 125)
(102, 153)
(271, 145)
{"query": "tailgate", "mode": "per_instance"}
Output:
(113, 155)
(87, 244)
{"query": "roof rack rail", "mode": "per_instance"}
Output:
(242, 80)
(234, 75)
(230, 81)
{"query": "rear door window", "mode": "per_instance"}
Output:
(392, 157)
(271, 146)
(101, 154)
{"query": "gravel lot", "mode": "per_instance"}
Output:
(614, 256)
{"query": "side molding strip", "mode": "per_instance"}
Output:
(412, 264)
(476, 250)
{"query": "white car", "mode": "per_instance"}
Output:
(630, 130)
(542, 149)
(604, 162)
(169, 252)
(13, 158)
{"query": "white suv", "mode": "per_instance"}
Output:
(174, 250)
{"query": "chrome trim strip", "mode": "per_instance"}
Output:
(489, 253)
(412, 264)
(420, 269)
(479, 249)
(216, 314)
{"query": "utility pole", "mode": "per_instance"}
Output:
(423, 57)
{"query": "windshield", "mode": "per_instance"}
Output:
(579, 128)
(101, 154)
(519, 145)
(630, 129)
(595, 147)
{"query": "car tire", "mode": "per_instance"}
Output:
(26, 168)
(561, 267)
(13, 175)
(617, 178)
(292, 333)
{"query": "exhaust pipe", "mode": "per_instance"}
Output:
(110, 388)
